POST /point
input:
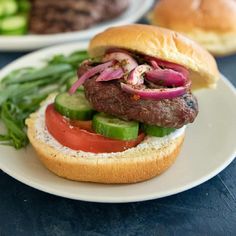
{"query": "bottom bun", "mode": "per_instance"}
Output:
(145, 161)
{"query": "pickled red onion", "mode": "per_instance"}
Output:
(127, 62)
(166, 77)
(136, 75)
(155, 94)
(168, 65)
(110, 74)
(88, 74)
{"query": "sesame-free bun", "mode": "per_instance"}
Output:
(140, 163)
(212, 23)
(163, 44)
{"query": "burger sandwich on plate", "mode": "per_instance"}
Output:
(127, 123)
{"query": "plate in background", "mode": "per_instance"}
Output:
(135, 11)
(208, 148)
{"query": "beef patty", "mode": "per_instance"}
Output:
(109, 98)
(55, 16)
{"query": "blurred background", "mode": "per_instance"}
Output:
(19, 17)
(32, 24)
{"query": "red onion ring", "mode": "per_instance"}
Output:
(127, 62)
(88, 74)
(110, 74)
(166, 77)
(155, 94)
(168, 65)
(111, 50)
(136, 75)
(154, 64)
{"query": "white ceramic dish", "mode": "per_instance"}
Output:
(209, 147)
(135, 11)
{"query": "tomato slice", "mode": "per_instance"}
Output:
(79, 139)
(82, 124)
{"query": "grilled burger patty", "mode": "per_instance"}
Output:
(109, 98)
(57, 16)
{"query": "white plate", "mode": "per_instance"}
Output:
(135, 11)
(209, 147)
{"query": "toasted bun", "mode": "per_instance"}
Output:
(211, 23)
(143, 162)
(163, 44)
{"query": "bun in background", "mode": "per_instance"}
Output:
(212, 23)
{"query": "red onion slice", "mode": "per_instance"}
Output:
(168, 65)
(110, 74)
(127, 62)
(155, 94)
(136, 75)
(91, 72)
(111, 50)
(166, 77)
(154, 64)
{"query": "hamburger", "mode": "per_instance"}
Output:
(128, 124)
(210, 23)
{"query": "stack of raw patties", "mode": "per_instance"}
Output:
(55, 16)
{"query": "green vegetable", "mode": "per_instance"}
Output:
(18, 91)
(8, 7)
(23, 5)
(157, 131)
(42, 73)
(74, 59)
(15, 127)
(14, 16)
(17, 73)
(22, 91)
(14, 25)
(74, 106)
(112, 127)
(71, 81)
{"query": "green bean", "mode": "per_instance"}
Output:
(14, 126)
(22, 91)
(4, 137)
(15, 74)
(42, 73)
(74, 59)
(66, 77)
(17, 91)
(27, 104)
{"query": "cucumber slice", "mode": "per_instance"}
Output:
(14, 32)
(71, 81)
(157, 131)
(14, 25)
(112, 127)
(74, 106)
(8, 7)
(1, 10)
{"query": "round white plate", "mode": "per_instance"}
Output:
(135, 11)
(209, 147)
